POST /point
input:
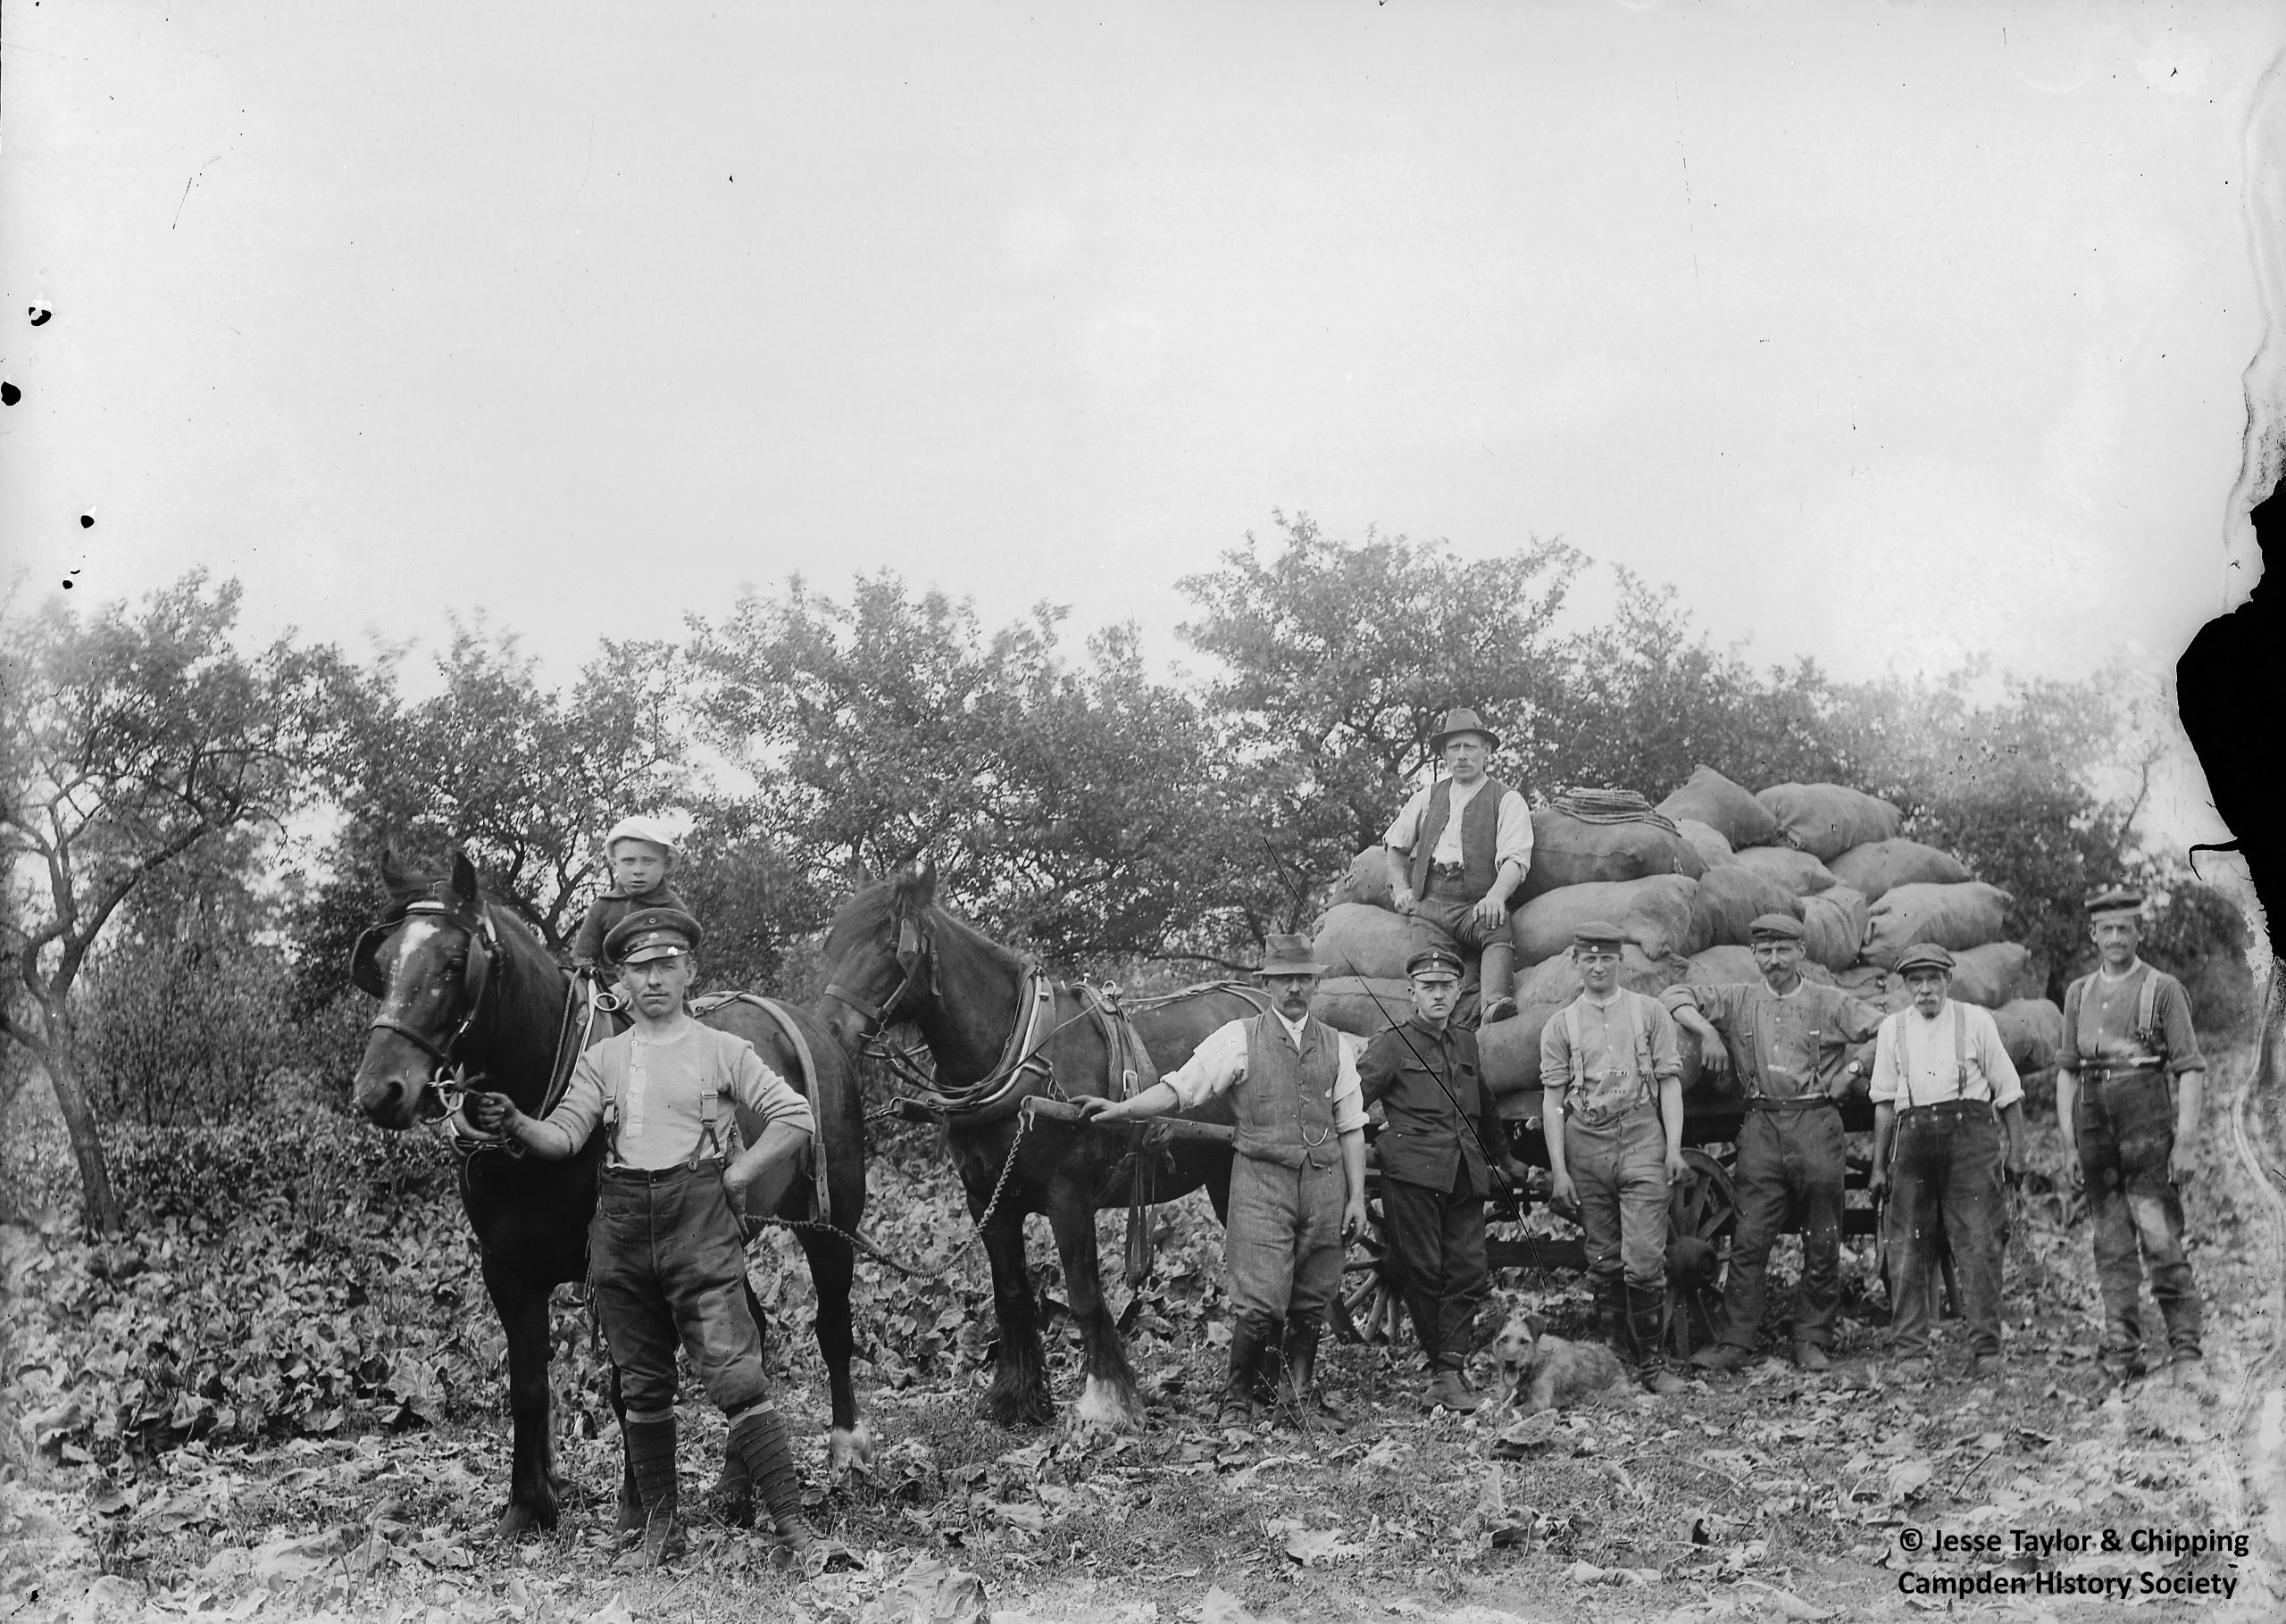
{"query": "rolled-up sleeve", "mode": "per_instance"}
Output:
(1214, 1066)
(2175, 1022)
(1666, 1044)
(755, 1086)
(1348, 1096)
(1512, 838)
(1885, 1086)
(1407, 825)
(1992, 1055)
(1556, 1053)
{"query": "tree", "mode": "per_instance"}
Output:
(1337, 660)
(128, 740)
(1065, 806)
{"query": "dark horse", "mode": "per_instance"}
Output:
(894, 955)
(467, 990)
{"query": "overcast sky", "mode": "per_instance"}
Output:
(1888, 334)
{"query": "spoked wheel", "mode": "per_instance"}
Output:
(1702, 1211)
(1367, 1308)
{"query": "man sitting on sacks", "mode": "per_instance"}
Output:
(1788, 1039)
(1459, 852)
(1943, 1089)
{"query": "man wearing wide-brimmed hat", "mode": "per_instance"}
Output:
(2128, 1081)
(1943, 1091)
(1459, 852)
(1788, 1041)
(1298, 1182)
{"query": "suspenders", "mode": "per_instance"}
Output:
(1639, 1031)
(1960, 1059)
(709, 1141)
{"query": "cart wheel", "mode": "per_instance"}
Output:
(1702, 1211)
(1367, 1308)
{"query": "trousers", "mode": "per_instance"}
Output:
(1790, 1164)
(1282, 1250)
(2127, 1129)
(1945, 1186)
(668, 1265)
(1437, 1241)
(1620, 1169)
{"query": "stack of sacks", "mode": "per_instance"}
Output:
(1953, 917)
(1556, 980)
(1569, 850)
(1361, 1004)
(1367, 881)
(1729, 900)
(1833, 927)
(1731, 810)
(2031, 1029)
(1354, 939)
(1885, 864)
(1800, 872)
(1707, 841)
(1992, 975)
(1826, 820)
(1654, 913)
(1510, 1052)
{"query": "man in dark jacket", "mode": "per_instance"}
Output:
(1442, 1153)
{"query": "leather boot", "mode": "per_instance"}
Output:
(1298, 1397)
(651, 1457)
(1448, 1391)
(1269, 1364)
(1496, 977)
(1646, 1307)
(1239, 1406)
(1611, 1312)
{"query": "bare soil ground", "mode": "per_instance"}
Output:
(1770, 1495)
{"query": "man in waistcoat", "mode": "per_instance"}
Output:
(1459, 852)
(1298, 1182)
(667, 1256)
(2128, 1082)
(1611, 1090)
(1789, 1040)
(1943, 1090)
(1442, 1152)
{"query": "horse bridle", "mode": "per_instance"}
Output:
(915, 949)
(450, 1082)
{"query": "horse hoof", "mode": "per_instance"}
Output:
(1019, 1409)
(1108, 1406)
(850, 1448)
(519, 1520)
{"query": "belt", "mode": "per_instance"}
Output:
(2104, 1071)
(653, 1175)
(1800, 1102)
(1609, 1117)
(1954, 1107)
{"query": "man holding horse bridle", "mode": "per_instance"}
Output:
(666, 1252)
(1298, 1182)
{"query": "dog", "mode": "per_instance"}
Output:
(1542, 1372)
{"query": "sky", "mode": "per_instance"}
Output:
(1891, 335)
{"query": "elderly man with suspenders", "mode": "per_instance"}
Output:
(1789, 1040)
(1298, 1182)
(1943, 1090)
(1457, 852)
(2128, 1083)
(666, 1250)
(1611, 1084)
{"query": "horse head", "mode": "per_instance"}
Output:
(432, 961)
(880, 955)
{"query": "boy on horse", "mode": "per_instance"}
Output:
(641, 853)
(667, 1251)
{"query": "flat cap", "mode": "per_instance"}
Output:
(641, 829)
(1599, 933)
(651, 933)
(1783, 927)
(1927, 956)
(1434, 963)
(2119, 899)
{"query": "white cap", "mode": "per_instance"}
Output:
(641, 829)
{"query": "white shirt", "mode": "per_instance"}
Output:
(1512, 838)
(1917, 1058)
(1221, 1061)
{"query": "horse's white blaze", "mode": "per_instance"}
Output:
(410, 936)
(1104, 1405)
(850, 1446)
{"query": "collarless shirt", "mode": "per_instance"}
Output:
(663, 1087)
(1778, 1041)
(1918, 1060)
(2106, 1012)
(1512, 838)
(1611, 1071)
(1219, 1063)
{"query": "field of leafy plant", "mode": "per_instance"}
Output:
(278, 1396)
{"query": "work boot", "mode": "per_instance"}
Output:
(1725, 1356)
(1268, 1365)
(1810, 1356)
(1447, 1390)
(1239, 1407)
(1496, 974)
(1298, 1396)
(2121, 1364)
(1646, 1306)
(1984, 1367)
(1611, 1312)
(651, 1458)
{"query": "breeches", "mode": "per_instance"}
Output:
(669, 1266)
(1282, 1250)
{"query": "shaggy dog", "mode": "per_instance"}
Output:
(1542, 1372)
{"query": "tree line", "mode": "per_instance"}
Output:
(174, 938)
